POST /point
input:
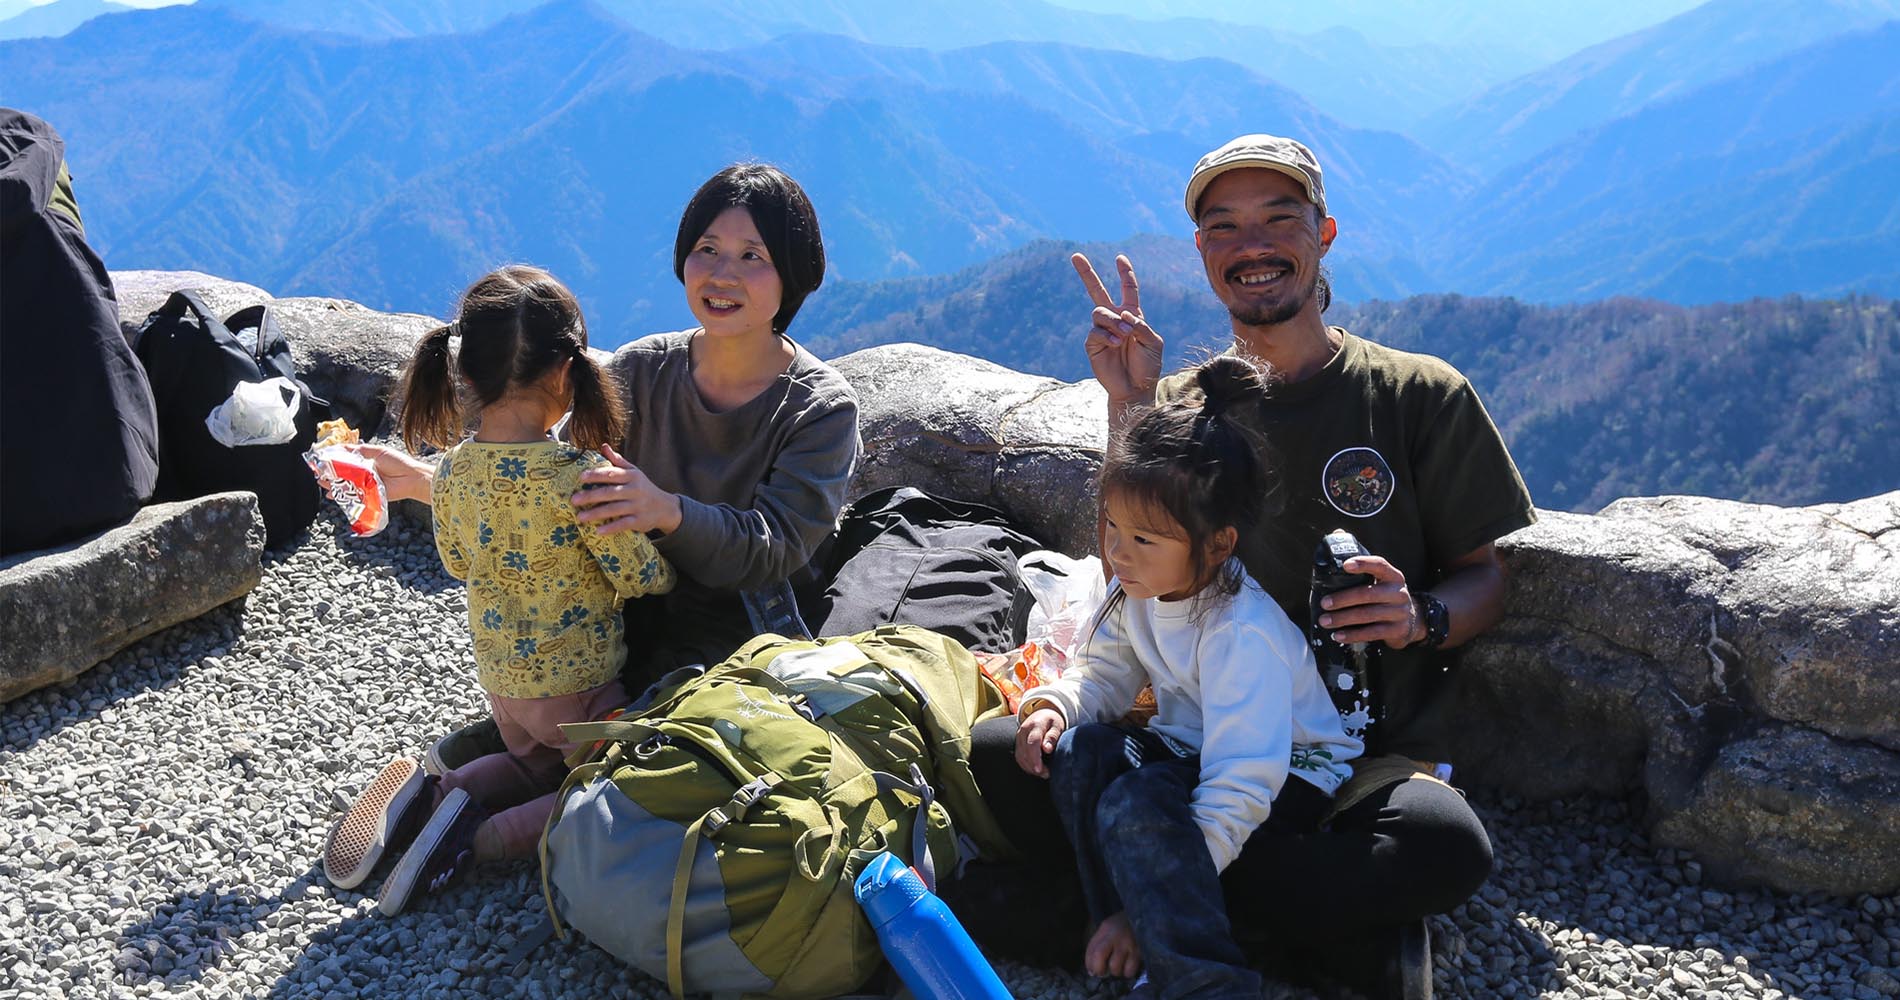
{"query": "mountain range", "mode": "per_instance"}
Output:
(1371, 85)
(393, 171)
(19, 19)
(1516, 120)
(388, 151)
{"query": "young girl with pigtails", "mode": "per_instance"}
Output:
(1156, 812)
(544, 589)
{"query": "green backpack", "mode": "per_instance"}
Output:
(713, 838)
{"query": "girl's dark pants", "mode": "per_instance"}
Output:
(1125, 797)
(1403, 853)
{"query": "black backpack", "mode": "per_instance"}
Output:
(194, 362)
(904, 556)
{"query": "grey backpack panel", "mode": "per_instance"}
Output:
(617, 843)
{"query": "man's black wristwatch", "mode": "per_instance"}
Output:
(1437, 619)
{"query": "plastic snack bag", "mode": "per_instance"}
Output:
(351, 481)
(1017, 672)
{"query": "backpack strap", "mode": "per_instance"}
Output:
(921, 859)
(707, 826)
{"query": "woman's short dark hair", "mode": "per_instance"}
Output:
(784, 217)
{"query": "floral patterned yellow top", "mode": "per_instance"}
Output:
(544, 591)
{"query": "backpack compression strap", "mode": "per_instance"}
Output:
(921, 860)
(707, 826)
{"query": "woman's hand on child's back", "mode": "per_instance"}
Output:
(622, 498)
(1036, 738)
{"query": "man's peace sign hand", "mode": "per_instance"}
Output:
(1124, 352)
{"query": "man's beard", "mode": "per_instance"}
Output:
(1273, 314)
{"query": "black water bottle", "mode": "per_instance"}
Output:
(1346, 669)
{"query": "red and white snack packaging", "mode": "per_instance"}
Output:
(351, 481)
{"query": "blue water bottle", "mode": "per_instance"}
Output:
(931, 951)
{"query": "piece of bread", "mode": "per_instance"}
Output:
(334, 432)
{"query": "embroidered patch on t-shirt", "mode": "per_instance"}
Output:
(1357, 482)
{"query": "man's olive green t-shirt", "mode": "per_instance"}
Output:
(1395, 448)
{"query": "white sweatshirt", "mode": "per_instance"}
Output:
(1239, 686)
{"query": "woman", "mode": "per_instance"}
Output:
(740, 443)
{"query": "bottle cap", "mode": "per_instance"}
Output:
(886, 888)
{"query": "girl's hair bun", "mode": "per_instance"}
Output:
(1227, 379)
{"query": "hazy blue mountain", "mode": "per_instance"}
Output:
(379, 18)
(53, 19)
(1025, 309)
(394, 171)
(1378, 183)
(1782, 179)
(1379, 86)
(1504, 28)
(1514, 120)
(1785, 401)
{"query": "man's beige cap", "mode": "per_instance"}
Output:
(1258, 150)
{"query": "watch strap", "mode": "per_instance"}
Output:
(1437, 619)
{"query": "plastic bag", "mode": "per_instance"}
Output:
(351, 481)
(1068, 593)
(256, 413)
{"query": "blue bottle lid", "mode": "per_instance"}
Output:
(886, 888)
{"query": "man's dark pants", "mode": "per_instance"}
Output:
(1405, 852)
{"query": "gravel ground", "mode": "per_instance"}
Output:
(161, 817)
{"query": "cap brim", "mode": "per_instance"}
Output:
(1198, 185)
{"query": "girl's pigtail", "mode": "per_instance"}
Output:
(599, 416)
(1231, 478)
(430, 412)
(1227, 450)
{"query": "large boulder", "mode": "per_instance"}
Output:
(1732, 664)
(142, 292)
(352, 355)
(63, 610)
(1797, 809)
(965, 428)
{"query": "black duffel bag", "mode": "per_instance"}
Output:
(905, 556)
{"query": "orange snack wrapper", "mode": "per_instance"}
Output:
(1017, 672)
(351, 481)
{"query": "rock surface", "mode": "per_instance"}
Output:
(141, 292)
(63, 610)
(1732, 664)
(351, 355)
(963, 427)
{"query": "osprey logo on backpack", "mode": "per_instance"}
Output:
(194, 363)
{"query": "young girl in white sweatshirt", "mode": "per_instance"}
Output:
(1155, 812)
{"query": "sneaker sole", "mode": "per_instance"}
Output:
(401, 884)
(356, 842)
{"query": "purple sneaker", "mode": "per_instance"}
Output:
(384, 818)
(443, 850)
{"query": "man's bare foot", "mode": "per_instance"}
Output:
(1112, 950)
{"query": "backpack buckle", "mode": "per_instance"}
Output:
(750, 792)
(715, 821)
